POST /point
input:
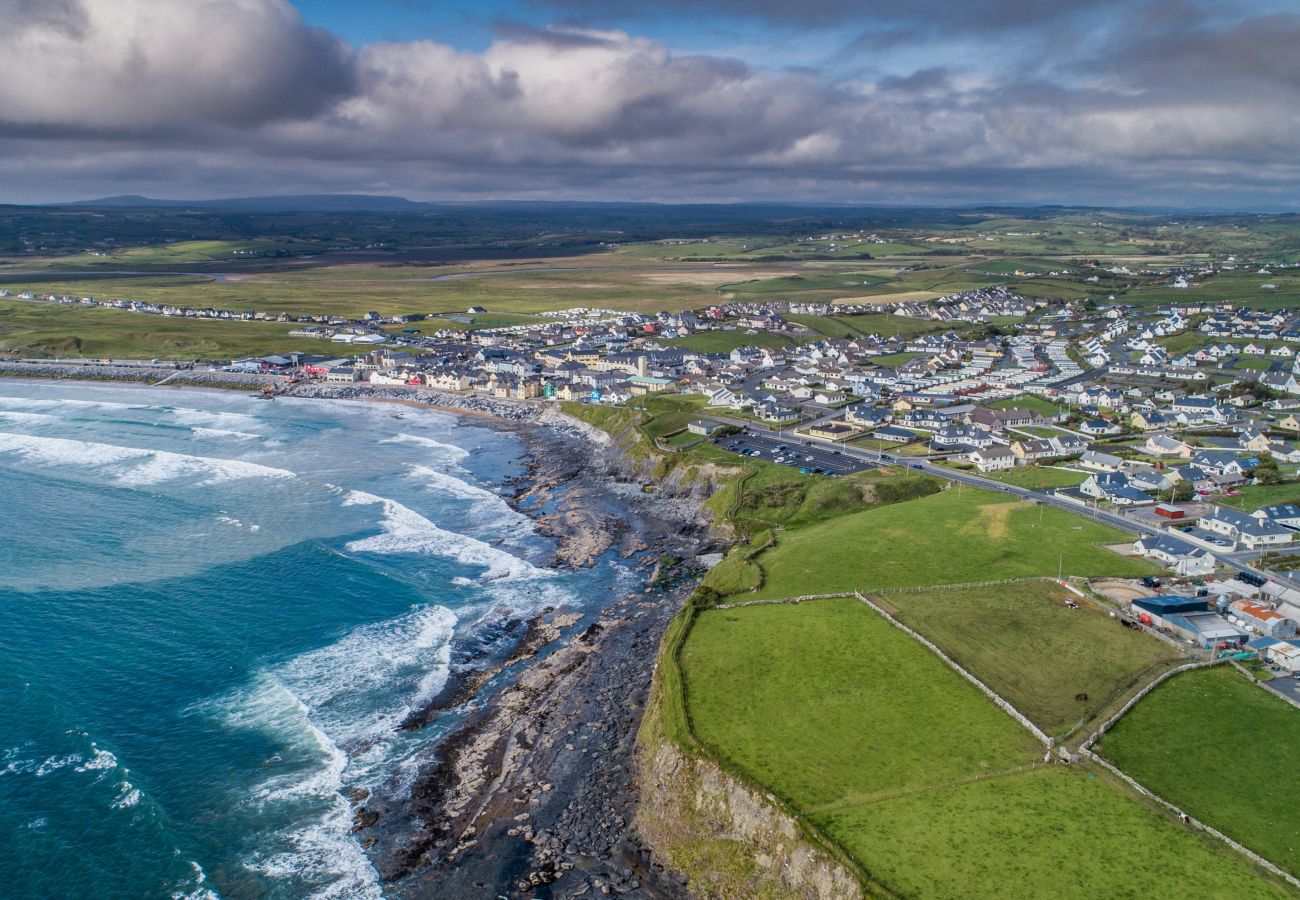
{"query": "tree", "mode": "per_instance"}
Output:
(1267, 471)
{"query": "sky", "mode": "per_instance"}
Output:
(1106, 102)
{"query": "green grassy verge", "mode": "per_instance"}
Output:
(1220, 747)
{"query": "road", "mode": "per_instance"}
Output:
(1239, 561)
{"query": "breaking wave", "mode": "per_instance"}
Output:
(406, 531)
(133, 466)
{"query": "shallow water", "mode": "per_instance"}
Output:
(214, 613)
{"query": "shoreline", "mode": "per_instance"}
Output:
(534, 788)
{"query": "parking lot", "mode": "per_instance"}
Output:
(799, 453)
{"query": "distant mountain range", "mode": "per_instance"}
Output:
(286, 203)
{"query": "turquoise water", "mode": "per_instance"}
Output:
(214, 612)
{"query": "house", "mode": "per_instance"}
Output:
(1246, 530)
(1036, 449)
(894, 434)
(343, 374)
(1253, 439)
(833, 430)
(1101, 462)
(1178, 556)
(993, 459)
(1099, 427)
(1148, 419)
(1069, 444)
(962, 436)
(1284, 514)
(703, 427)
(1223, 462)
(1113, 487)
(1167, 445)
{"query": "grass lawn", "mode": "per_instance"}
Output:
(1039, 477)
(1028, 401)
(913, 772)
(944, 538)
(896, 359)
(39, 328)
(1220, 747)
(1026, 644)
(1253, 496)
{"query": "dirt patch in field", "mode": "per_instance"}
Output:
(710, 277)
(1120, 590)
(994, 521)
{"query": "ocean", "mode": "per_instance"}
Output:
(215, 612)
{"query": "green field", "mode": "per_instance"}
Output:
(1252, 496)
(1059, 832)
(1039, 654)
(35, 328)
(773, 687)
(945, 538)
(1216, 745)
(1028, 401)
(1039, 477)
(905, 765)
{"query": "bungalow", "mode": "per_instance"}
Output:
(1101, 462)
(1178, 556)
(834, 430)
(1099, 426)
(993, 459)
(1245, 530)
(703, 427)
(894, 434)
(1115, 488)
(1167, 445)
(773, 412)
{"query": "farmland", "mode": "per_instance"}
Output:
(945, 538)
(36, 328)
(1041, 655)
(1214, 744)
(927, 785)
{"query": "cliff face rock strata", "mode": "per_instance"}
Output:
(728, 841)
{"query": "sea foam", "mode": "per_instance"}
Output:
(406, 531)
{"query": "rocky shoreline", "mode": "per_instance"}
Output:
(534, 794)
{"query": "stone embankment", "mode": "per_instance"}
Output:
(140, 374)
